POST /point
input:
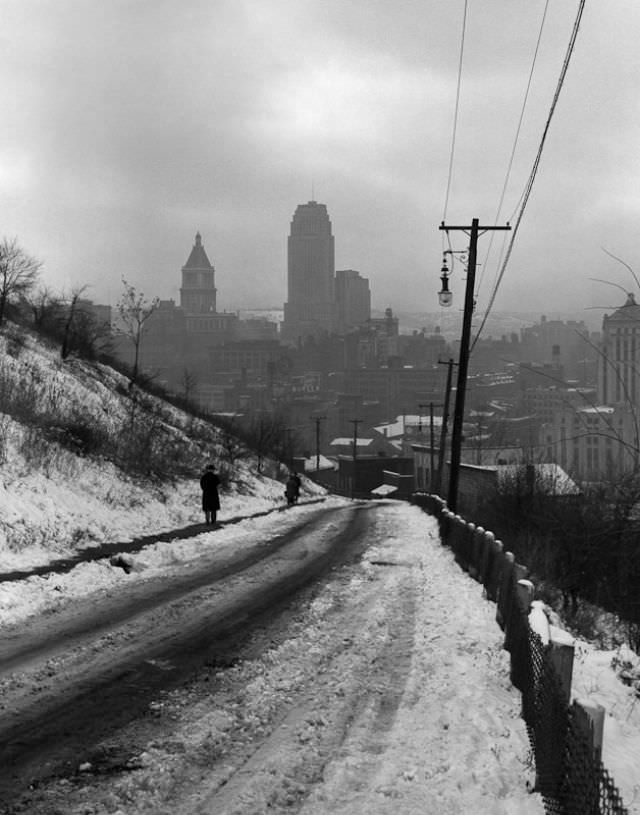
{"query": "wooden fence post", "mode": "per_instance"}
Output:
(476, 553)
(561, 648)
(445, 526)
(466, 545)
(457, 532)
(525, 592)
(504, 589)
(592, 723)
(492, 583)
(487, 556)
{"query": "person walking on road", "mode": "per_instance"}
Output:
(292, 489)
(210, 499)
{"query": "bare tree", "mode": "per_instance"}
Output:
(134, 312)
(18, 273)
(265, 433)
(189, 385)
(230, 433)
(45, 307)
(70, 320)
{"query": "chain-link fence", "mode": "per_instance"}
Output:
(570, 775)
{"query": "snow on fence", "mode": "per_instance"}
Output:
(565, 736)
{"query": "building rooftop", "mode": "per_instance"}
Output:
(629, 312)
(346, 442)
(198, 258)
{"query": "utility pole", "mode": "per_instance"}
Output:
(421, 407)
(431, 442)
(463, 364)
(355, 423)
(289, 446)
(317, 420)
(445, 420)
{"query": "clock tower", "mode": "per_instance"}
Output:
(198, 290)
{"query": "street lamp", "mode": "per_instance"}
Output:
(445, 297)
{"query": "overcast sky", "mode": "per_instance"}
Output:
(128, 125)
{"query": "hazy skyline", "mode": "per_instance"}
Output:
(129, 126)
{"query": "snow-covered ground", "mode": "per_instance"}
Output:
(458, 702)
(59, 504)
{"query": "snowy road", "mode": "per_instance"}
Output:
(379, 687)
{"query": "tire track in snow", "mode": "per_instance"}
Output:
(46, 721)
(39, 640)
(353, 697)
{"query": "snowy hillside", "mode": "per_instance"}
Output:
(82, 462)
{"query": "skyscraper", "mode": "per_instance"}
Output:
(309, 310)
(353, 300)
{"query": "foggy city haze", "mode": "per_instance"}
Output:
(319, 407)
(130, 126)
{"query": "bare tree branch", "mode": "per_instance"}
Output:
(18, 273)
(626, 265)
(134, 312)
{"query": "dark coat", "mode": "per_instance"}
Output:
(292, 488)
(210, 498)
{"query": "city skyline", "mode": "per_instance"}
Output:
(311, 268)
(133, 126)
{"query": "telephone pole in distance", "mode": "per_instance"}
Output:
(317, 420)
(355, 423)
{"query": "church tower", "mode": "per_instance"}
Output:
(198, 290)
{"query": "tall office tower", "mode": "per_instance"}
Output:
(309, 310)
(618, 375)
(353, 300)
(198, 290)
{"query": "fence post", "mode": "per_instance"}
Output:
(492, 583)
(516, 639)
(525, 592)
(592, 724)
(515, 610)
(476, 553)
(446, 522)
(520, 572)
(457, 531)
(463, 555)
(504, 588)
(487, 556)
(560, 654)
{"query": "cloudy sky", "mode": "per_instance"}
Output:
(128, 125)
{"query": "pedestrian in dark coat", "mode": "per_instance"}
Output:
(210, 498)
(292, 489)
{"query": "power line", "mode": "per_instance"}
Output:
(534, 171)
(455, 115)
(513, 149)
